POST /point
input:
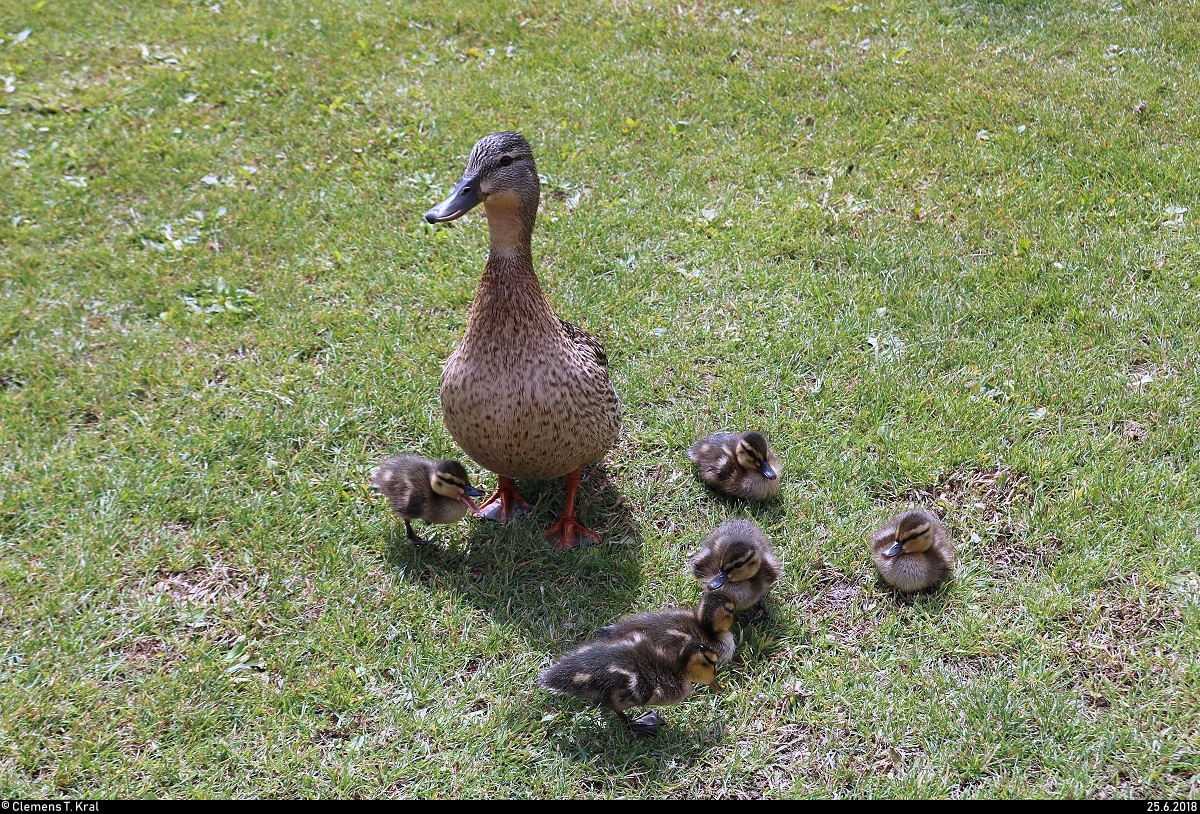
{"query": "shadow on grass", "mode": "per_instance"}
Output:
(932, 601)
(585, 732)
(522, 581)
(759, 640)
(766, 513)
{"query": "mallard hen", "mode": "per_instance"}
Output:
(525, 394)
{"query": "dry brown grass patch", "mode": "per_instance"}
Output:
(1114, 646)
(199, 585)
(842, 608)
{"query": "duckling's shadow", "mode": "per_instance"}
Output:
(585, 733)
(933, 600)
(512, 573)
(764, 512)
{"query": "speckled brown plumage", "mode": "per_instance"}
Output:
(525, 394)
(738, 551)
(914, 571)
(710, 622)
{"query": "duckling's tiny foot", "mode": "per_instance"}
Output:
(505, 504)
(647, 723)
(757, 612)
(412, 535)
(566, 532)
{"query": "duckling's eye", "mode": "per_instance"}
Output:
(505, 160)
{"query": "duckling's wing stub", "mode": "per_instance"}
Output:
(582, 338)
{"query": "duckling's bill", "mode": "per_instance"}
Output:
(719, 580)
(462, 200)
(768, 472)
(894, 549)
(468, 493)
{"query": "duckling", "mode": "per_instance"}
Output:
(434, 491)
(525, 394)
(913, 551)
(738, 464)
(737, 559)
(710, 622)
(622, 673)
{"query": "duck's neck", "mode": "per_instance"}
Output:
(510, 302)
(510, 226)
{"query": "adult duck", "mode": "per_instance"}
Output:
(525, 394)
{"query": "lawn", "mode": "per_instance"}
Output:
(940, 253)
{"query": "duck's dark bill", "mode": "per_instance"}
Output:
(895, 549)
(719, 580)
(462, 200)
(767, 471)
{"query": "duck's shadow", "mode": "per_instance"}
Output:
(585, 733)
(933, 601)
(554, 599)
(520, 580)
(769, 513)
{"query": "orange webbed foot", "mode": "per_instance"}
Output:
(566, 533)
(505, 504)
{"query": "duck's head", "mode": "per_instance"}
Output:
(914, 534)
(740, 560)
(450, 479)
(700, 665)
(753, 453)
(716, 612)
(501, 175)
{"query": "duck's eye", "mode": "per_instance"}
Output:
(505, 160)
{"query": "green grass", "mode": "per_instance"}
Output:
(939, 252)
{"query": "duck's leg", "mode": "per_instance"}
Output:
(505, 504)
(565, 531)
(412, 535)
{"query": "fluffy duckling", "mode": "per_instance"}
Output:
(710, 622)
(434, 491)
(737, 559)
(738, 464)
(622, 673)
(913, 551)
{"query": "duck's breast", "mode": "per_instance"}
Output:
(528, 409)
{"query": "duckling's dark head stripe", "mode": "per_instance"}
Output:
(913, 534)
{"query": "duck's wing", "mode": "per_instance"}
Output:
(585, 340)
